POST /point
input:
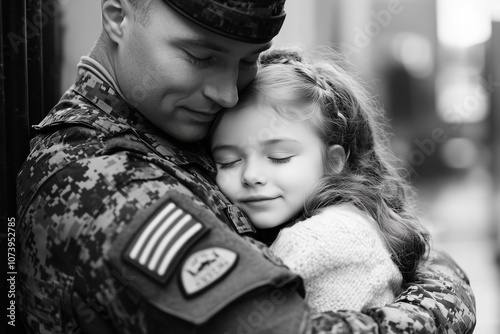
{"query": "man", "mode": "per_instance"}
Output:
(122, 229)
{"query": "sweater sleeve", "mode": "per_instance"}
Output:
(342, 260)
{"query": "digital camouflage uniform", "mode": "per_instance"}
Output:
(100, 178)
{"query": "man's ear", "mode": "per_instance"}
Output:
(114, 14)
(336, 159)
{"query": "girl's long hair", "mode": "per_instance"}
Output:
(343, 113)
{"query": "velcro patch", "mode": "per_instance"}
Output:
(205, 267)
(162, 240)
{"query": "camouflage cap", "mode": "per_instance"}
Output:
(251, 21)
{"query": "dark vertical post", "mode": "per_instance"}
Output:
(52, 59)
(29, 87)
(14, 133)
(14, 114)
(35, 21)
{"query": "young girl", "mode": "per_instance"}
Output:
(304, 150)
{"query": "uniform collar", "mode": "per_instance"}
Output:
(95, 84)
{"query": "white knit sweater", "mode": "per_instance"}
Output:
(342, 259)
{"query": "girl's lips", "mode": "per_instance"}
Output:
(258, 201)
(257, 198)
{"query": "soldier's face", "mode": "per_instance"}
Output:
(266, 165)
(179, 75)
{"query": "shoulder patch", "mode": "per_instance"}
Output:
(162, 241)
(205, 267)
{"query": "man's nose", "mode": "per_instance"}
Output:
(223, 89)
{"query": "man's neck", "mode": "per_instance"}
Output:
(103, 52)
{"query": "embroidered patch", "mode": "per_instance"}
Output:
(162, 240)
(205, 267)
(239, 220)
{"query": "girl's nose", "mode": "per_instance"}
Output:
(253, 176)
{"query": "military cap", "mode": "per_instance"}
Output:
(251, 21)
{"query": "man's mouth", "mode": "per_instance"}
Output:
(200, 116)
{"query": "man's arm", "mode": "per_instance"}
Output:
(206, 278)
(440, 300)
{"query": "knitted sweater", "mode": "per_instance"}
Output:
(342, 259)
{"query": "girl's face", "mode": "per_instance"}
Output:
(266, 165)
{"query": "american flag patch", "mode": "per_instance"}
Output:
(162, 240)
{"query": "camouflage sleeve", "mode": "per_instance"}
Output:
(201, 271)
(440, 300)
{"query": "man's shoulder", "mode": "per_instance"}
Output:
(75, 110)
(78, 156)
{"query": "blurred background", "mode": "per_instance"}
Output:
(434, 65)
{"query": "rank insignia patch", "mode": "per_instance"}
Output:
(162, 240)
(206, 267)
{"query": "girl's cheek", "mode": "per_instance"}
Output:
(224, 181)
